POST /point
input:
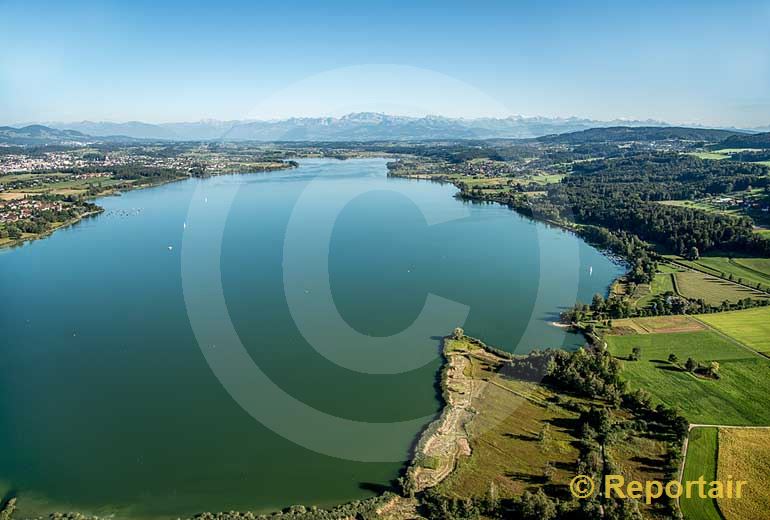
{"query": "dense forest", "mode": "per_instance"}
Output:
(643, 133)
(624, 195)
(745, 141)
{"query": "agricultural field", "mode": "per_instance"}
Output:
(701, 460)
(713, 290)
(657, 325)
(751, 327)
(739, 397)
(745, 455)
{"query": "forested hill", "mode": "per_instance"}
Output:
(39, 134)
(745, 141)
(624, 195)
(643, 133)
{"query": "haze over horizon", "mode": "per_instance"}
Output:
(690, 63)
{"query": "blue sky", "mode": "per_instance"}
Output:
(685, 62)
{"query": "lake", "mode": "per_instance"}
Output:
(109, 403)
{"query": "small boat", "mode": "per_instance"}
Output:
(170, 248)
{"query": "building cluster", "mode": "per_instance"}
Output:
(16, 163)
(745, 203)
(62, 161)
(487, 168)
(15, 210)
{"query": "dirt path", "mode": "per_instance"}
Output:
(729, 426)
(447, 438)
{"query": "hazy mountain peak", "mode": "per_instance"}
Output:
(355, 126)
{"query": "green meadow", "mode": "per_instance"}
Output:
(751, 327)
(739, 397)
(750, 271)
(701, 460)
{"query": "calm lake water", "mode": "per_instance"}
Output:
(107, 403)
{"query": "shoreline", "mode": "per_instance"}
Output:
(446, 437)
(569, 227)
(116, 193)
(430, 435)
(71, 222)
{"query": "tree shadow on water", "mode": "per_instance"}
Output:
(376, 487)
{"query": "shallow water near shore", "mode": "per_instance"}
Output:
(107, 404)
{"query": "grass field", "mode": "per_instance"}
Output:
(544, 179)
(710, 155)
(724, 153)
(751, 327)
(740, 397)
(701, 460)
(702, 205)
(662, 283)
(74, 186)
(745, 455)
(760, 266)
(520, 441)
(736, 150)
(713, 290)
(505, 449)
(750, 271)
(15, 177)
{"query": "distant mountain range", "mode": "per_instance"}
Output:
(363, 126)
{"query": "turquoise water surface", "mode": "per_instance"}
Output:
(107, 404)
